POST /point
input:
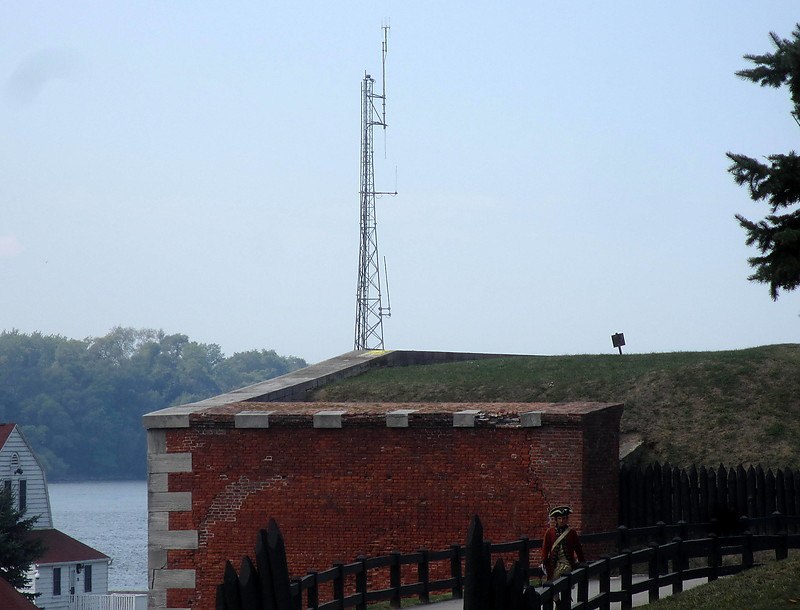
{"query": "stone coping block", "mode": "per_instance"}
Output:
(328, 419)
(398, 418)
(465, 419)
(252, 419)
(531, 419)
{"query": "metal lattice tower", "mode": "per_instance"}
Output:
(369, 305)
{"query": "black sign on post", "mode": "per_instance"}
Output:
(618, 340)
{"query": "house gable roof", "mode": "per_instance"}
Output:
(11, 599)
(61, 548)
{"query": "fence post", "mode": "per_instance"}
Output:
(747, 549)
(423, 573)
(622, 538)
(713, 557)
(652, 590)
(683, 529)
(661, 536)
(546, 599)
(297, 600)
(626, 582)
(455, 571)
(338, 584)
(677, 566)
(525, 558)
(565, 599)
(531, 599)
(782, 548)
(361, 583)
(583, 584)
(313, 592)
(662, 539)
(394, 580)
(604, 584)
(516, 584)
(777, 522)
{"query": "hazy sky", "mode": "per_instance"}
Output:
(193, 166)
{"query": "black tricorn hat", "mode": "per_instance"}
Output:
(560, 511)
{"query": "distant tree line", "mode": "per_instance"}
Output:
(80, 402)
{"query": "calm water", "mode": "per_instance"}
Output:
(110, 517)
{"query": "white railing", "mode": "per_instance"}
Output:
(112, 601)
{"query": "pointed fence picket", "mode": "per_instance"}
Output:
(661, 492)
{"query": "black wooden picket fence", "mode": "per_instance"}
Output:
(662, 552)
(665, 563)
(671, 494)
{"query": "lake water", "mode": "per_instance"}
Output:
(110, 517)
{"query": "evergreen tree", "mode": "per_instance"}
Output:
(777, 237)
(18, 549)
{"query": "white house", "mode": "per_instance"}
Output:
(21, 472)
(68, 567)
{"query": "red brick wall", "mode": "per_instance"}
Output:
(343, 492)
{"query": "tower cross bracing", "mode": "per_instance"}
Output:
(369, 304)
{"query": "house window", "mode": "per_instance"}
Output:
(87, 578)
(7, 486)
(23, 496)
(56, 581)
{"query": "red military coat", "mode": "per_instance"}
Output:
(572, 549)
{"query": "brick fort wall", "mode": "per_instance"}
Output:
(345, 479)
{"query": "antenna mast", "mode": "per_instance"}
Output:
(369, 306)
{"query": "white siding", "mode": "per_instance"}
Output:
(44, 586)
(38, 501)
(99, 579)
(69, 578)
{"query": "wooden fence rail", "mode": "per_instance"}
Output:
(661, 551)
(695, 495)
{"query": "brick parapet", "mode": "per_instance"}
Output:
(482, 415)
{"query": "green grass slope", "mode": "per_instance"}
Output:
(730, 407)
(773, 585)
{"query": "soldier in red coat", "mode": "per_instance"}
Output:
(561, 548)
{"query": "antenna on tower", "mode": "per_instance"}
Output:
(369, 305)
